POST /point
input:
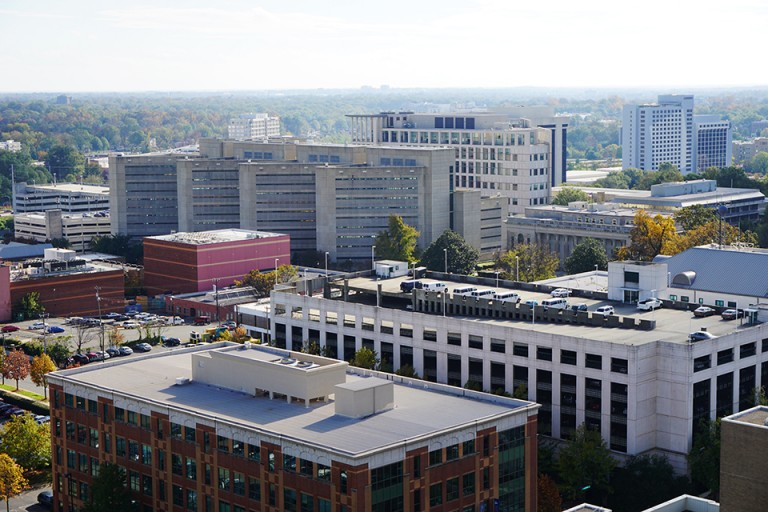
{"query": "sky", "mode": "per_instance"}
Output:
(244, 45)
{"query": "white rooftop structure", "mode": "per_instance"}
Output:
(214, 237)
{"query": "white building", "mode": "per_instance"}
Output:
(67, 197)
(668, 132)
(254, 126)
(10, 145)
(78, 228)
(505, 153)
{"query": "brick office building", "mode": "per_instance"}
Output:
(258, 428)
(192, 262)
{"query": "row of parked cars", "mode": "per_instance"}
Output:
(98, 355)
(9, 410)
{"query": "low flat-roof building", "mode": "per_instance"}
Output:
(191, 262)
(228, 426)
(67, 197)
(77, 228)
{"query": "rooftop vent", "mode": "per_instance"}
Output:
(287, 361)
(182, 381)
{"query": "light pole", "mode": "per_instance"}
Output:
(373, 258)
(445, 260)
(326, 264)
(101, 324)
(517, 268)
(277, 260)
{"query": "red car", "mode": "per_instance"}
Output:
(9, 328)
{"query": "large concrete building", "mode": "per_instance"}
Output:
(745, 151)
(668, 132)
(519, 154)
(253, 126)
(67, 197)
(744, 460)
(77, 228)
(635, 376)
(237, 427)
(192, 262)
(327, 198)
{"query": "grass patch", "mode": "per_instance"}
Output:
(22, 392)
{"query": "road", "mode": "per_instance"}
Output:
(26, 501)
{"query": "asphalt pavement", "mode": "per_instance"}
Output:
(26, 501)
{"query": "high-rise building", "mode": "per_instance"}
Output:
(519, 154)
(232, 427)
(668, 132)
(254, 126)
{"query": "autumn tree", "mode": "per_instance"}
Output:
(240, 335)
(650, 237)
(587, 253)
(451, 246)
(397, 242)
(532, 262)
(264, 282)
(41, 366)
(569, 195)
(366, 358)
(12, 481)
(549, 499)
(16, 366)
(27, 442)
(116, 337)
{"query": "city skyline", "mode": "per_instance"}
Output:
(88, 46)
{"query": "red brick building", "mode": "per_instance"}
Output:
(248, 428)
(191, 262)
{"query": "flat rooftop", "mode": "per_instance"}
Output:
(421, 408)
(672, 325)
(71, 187)
(215, 236)
(755, 416)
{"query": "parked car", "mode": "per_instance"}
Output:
(10, 328)
(93, 356)
(126, 351)
(142, 347)
(732, 314)
(130, 324)
(702, 311)
(230, 324)
(171, 342)
(701, 336)
(54, 329)
(561, 292)
(649, 304)
(532, 303)
(80, 359)
(40, 419)
(45, 499)
(113, 352)
(579, 307)
(38, 325)
(605, 310)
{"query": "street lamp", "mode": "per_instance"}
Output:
(373, 258)
(517, 268)
(445, 260)
(326, 264)
(277, 260)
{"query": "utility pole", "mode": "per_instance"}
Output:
(101, 324)
(216, 292)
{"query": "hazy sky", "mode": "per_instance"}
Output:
(139, 45)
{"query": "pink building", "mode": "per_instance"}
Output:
(191, 262)
(5, 293)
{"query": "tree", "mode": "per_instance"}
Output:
(549, 499)
(691, 217)
(28, 443)
(264, 282)
(715, 232)
(41, 366)
(83, 336)
(587, 253)
(63, 159)
(115, 336)
(240, 335)
(569, 195)
(109, 491)
(407, 370)
(462, 257)
(645, 481)
(398, 241)
(59, 350)
(532, 262)
(366, 358)
(30, 305)
(585, 463)
(704, 457)
(12, 481)
(650, 237)
(16, 366)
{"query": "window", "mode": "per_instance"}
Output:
(191, 468)
(725, 356)
(468, 484)
(498, 346)
(189, 434)
(631, 277)
(238, 448)
(175, 430)
(145, 421)
(747, 350)
(520, 349)
(343, 481)
(452, 452)
(544, 353)
(323, 472)
(454, 338)
(619, 365)
(253, 452)
(224, 481)
(436, 457)
(702, 363)
(289, 500)
(120, 446)
(468, 447)
(222, 443)
(289, 463)
(191, 500)
(146, 454)
(239, 483)
(305, 467)
(568, 357)
(254, 489)
(307, 503)
(436, 494)
(594, 361)
(176, 464)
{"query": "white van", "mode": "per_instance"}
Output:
(506, 297)
(464, 290)
(436, 286)
(558, 303)
(486, 294)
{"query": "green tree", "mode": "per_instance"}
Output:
(587, 253)
(759, 163)
(12, 481)
(366, 358)
(645, 481)
(63, 159)
(569, 195)
(704, 457)
(109, 491)
(30, 305)
(585, 463)
(398, 241)
(532, 262)
(28, 443)
(59, 350)
(691, 217)
(462, 257)
(41, 366)
(407, 370)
